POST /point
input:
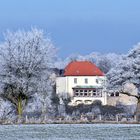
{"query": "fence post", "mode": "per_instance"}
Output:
(135, 118)
(117, 118)
(45, 118)
(26, 119)
(100, 117)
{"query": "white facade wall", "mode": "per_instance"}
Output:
(66, 84)
(81, 82)
(60, 85)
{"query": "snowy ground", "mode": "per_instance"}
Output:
(70, 131)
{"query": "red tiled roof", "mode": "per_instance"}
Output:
(82, 68)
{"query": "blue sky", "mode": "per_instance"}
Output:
(77, 26)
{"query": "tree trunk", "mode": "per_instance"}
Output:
(19, 107)
(138, 111)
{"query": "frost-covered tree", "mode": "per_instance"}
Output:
(104, 61)
(26, 58)
(7, 111)
(127, 71)
(119, 74)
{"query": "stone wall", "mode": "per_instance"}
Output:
(121, 99)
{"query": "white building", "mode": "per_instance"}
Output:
(84, 82)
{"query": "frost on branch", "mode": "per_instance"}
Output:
(127, 70)
(7, 111)
(26, 62)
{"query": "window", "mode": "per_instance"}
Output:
(117, 93)
(94, 92)
(97, 81)
(112, 94)
(81, 92)
(86, 81)
(76, 94)
(85, 92)
(90, 92)
(75, 80)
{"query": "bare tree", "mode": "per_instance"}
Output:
(26, 59)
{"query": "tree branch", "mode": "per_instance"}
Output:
(129, 94)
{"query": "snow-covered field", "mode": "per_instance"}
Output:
(70, 132)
